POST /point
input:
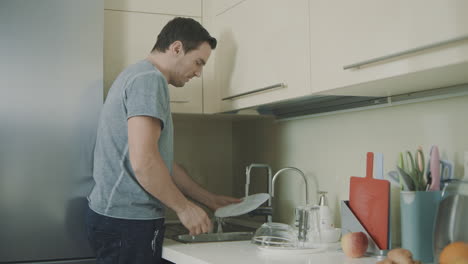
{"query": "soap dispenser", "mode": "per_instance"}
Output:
(326, 215)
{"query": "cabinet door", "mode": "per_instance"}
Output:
(173, 7)
(262, 44)
(220, 6)
(128, 38)
(349, 32)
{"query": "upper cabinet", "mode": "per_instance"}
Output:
(381, 48)
(270, 51)
(170, 7)
(263, 53)
(130, 31)
(221, 6)
(275, 50)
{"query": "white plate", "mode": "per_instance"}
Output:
(248, 204)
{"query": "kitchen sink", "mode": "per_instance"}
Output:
(229, 232)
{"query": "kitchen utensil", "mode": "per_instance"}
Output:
(446, 171)
(378, 166)
(428, 173)
(275, 235)
(434, 167)
(394, 178)
(369, 200)
(414, 167)
(465, 166)
(406, 180)
(419, 162)
(248, 204)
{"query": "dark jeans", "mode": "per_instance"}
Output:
(123, 241)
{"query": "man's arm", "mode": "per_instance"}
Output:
(192, 189)
(153, 175)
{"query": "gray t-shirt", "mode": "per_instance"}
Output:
(140, 90)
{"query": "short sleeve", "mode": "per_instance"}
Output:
(147, 95)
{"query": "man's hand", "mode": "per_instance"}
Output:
(195, 219)
(190, 188)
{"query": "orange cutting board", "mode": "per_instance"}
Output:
(369, 200)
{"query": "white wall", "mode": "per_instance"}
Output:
(330, 149)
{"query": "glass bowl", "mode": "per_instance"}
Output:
(275, 235)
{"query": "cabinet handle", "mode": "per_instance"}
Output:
(406, 52)
(180, 101)
(279, 85)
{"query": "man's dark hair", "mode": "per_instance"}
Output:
(188, 31)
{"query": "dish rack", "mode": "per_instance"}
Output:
(350, 223)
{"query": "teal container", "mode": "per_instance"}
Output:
(418, 214)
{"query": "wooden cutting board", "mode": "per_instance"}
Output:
(369, 199)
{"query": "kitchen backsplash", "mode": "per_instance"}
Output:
(204, 147)
(330, 149)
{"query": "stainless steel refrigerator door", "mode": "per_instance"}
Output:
(50, 96)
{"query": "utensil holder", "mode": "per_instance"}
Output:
(418, 213)
(350, 223)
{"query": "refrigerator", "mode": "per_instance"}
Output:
(51, 92)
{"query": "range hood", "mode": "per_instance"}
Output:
(322, 104)
(317, 104)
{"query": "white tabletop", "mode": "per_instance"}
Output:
(245, 252)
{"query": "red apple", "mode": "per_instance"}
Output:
(354, 244)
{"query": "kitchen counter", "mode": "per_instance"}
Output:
(246, 253)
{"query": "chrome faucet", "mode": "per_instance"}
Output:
(262, 210)
(297, 220)
(293, 169)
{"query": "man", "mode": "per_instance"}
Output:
(133, 164)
